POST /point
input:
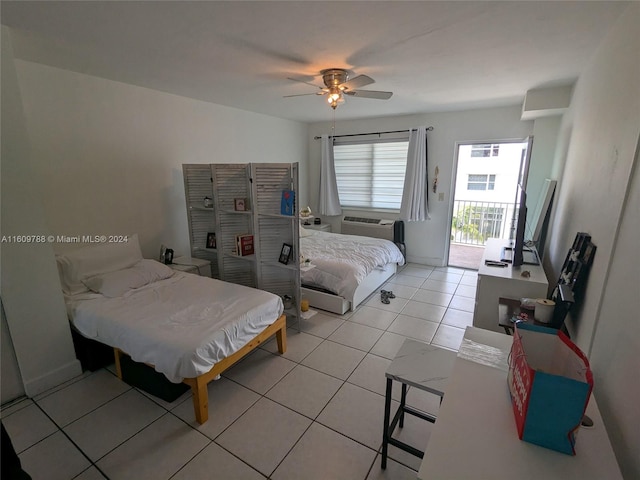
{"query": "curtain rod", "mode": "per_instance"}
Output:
(429, 129)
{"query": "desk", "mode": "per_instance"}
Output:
(496, 282)
(475, 435)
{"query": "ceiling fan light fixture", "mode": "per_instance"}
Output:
(334, 97)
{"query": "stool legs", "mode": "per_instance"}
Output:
(403, 401)
(398, 419)
(385, 430)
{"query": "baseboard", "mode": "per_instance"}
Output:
(428, 261)
(52, 379)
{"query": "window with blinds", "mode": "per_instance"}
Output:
(371, 174)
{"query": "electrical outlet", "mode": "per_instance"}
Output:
(441, 196)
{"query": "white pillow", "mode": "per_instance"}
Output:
(304, 232)
(77, 265)
(116, 284)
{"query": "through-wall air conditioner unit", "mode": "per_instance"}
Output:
(368, 227)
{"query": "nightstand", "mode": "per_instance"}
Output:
(323, 227)
(192, 265)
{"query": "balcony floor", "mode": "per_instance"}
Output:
(465, 256)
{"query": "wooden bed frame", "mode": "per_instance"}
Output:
(340, 305)
(199, 384)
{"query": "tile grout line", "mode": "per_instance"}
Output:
(61, 430)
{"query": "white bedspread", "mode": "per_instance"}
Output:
(182, 325)
(343, 261)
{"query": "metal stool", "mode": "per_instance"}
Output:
(424, 367)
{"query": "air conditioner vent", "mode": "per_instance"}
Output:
(362, 220)
(368, 227)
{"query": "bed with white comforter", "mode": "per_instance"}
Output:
(188, 327)
(343, 263)
(183, 324)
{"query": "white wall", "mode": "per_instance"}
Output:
(108, 156)
(598, 152)
(427, 242)
(87, 156)
(32, 299)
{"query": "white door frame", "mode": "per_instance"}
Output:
(524, 169)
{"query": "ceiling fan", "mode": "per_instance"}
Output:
(337, 85)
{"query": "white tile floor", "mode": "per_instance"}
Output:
(313, 413)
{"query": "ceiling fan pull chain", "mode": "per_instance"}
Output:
(333, 127)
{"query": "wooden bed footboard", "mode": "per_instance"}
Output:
(199, 384)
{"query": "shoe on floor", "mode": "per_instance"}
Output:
(388, 293)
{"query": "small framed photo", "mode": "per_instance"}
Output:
(211, 240)
(240, 204)
(285, 253)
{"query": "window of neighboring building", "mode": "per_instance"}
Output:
(481, 182)
(485, 150)
(371, 174)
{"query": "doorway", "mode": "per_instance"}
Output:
(486, 181)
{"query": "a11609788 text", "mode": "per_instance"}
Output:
(64, 239)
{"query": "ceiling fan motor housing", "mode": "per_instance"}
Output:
(334, 77)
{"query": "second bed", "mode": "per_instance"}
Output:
(345, 269)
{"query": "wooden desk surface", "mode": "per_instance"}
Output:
(475, 434)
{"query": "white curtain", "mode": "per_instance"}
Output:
(414, 207)
(329, 200)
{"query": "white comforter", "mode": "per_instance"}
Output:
(182, 325)
(343, 261)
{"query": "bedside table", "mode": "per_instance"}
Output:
(323, 227)
(192, 265)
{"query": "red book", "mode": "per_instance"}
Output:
(245, 244)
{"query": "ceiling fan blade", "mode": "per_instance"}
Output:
(369, 94)
(304, 94)
(299, 95)
(305, 82)
(357, 82)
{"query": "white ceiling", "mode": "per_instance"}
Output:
(434, 56)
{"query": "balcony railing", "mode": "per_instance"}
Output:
(474, 222)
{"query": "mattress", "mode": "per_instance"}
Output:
(182, 325)
(342, 262)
